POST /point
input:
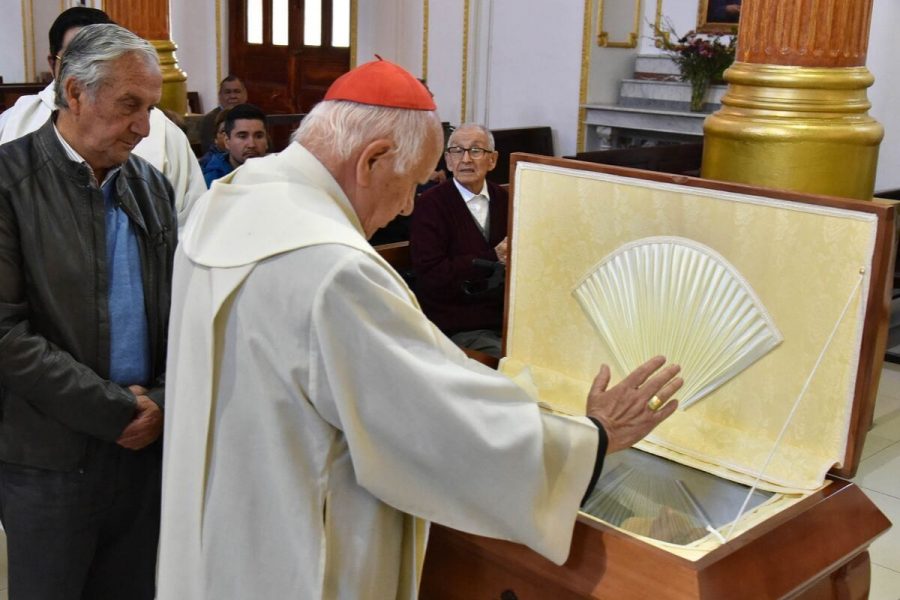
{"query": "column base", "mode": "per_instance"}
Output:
(174, 89)
(799, 128)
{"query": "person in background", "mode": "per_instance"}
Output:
(231, 93)
(218, 145)
(87, 236)
(455, 223)
(316, 415)
(166, 147)
(245, 137)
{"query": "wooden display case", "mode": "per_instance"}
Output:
(811, 547)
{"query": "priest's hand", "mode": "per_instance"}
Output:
(625, 410)
(146, 425)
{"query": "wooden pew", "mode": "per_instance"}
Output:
(280, 128)
(397, 255)
(894, 315)
(10, 92)
(681, 159)
(535, 140)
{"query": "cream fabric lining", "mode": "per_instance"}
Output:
(803, 261)
(672, 296)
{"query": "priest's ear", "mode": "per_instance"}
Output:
(375, 155)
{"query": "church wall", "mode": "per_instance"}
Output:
(192, 27)
(610, 65)
(445, 56)
(885, 93)
(12, 60)
(44, 15)
(522, 66)
(533, 68)
(23, 37)
(392, 32)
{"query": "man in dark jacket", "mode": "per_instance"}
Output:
(87, 235)
(454, 223)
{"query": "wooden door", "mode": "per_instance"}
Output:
(287, 52)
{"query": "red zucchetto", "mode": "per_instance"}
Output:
(381, 83)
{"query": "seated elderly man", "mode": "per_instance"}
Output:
(454, 223)
(87, 238)
(245, 137)
(166, 147)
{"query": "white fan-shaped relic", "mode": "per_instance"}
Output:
(679, 298)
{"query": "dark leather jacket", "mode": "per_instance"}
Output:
(54, 318)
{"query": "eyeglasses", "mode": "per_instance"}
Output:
(474, 152)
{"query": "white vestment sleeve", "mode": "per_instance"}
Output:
(183, 171)
(168, 149)
(433, 433)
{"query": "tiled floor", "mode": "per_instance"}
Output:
(878, 476)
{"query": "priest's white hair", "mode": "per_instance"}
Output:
(89, 55)
(344, 127)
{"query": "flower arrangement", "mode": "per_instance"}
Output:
(701, 58)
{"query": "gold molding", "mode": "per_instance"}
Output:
(658, 32)
(465, 63)
(354, 44)
(24, 41)
(585, 73)
(603, 36)
(218, 44)
(28, 42)
(425, 40)
(174, 89)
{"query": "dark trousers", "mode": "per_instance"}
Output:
(89, 534)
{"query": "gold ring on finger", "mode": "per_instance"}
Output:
(655, 403)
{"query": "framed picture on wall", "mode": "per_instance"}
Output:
(718, 16)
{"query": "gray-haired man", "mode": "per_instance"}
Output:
(87, 234)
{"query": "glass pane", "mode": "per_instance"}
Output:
(280, 22)
(254, 22)
(340, 23)
(312, 23)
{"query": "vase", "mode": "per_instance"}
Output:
(699, 87)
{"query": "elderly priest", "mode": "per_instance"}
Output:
(317, 419)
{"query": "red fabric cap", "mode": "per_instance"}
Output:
(381, 83)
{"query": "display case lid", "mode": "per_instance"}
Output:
(818, 267)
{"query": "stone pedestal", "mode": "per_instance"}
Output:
(653, 107)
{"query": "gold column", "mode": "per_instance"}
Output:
(150, 20)
(795, 115)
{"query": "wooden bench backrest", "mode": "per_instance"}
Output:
(681, 159)
(535, 140)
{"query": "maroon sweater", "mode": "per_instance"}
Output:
(443, 240)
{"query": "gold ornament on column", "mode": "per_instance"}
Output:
(150, 20)
(174, 92)
(795, 115)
